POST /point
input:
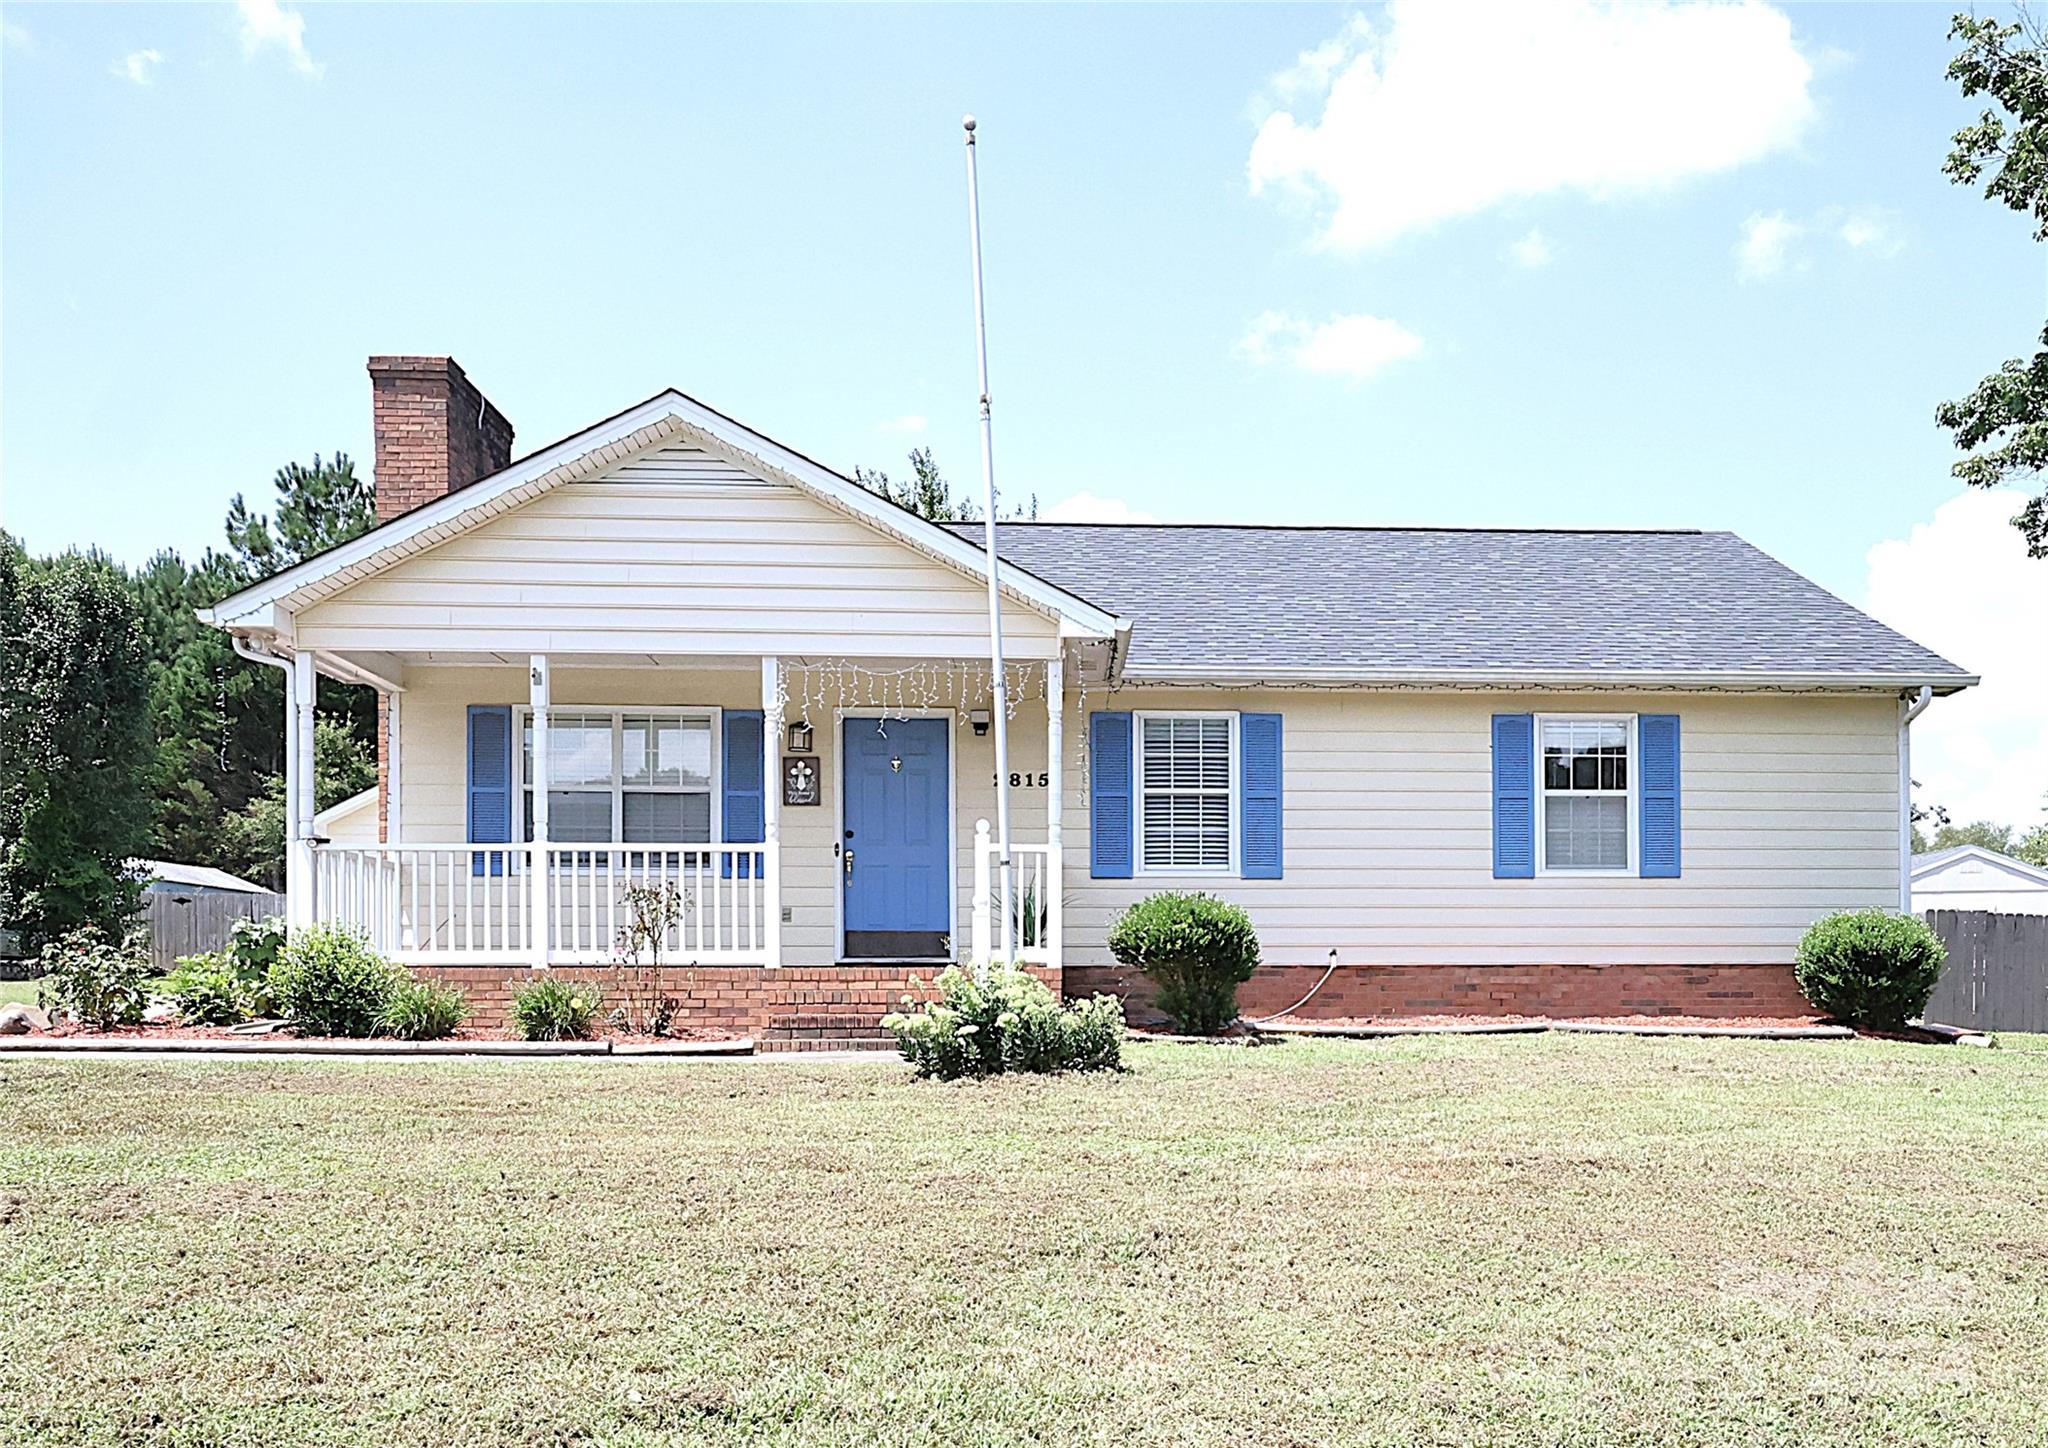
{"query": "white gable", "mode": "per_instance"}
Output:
(674, 551)
(703, 439)
(1972, 878)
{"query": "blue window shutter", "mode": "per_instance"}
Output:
(1514, 796)
(490, 783)
(1109, 805)
(746, 809)
(1657, 796)
(1258, 779)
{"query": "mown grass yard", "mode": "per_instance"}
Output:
(1544, 1239)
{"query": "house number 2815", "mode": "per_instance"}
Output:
(1025, 779)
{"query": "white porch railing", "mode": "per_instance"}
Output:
(451, 904)
(1035, 906)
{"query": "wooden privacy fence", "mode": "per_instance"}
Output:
(1997, 973)
(187, 924)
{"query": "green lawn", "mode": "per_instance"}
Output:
(21, 992)
(1539, 1239)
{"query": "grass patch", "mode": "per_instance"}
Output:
(1540, 1239)
(18, 992)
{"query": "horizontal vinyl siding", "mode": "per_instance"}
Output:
(1790, 811)
(1388, 846)
(636, 564)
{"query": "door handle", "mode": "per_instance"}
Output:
(848, 858)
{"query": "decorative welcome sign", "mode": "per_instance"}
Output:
(800, 779)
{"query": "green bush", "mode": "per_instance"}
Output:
(419, 1010)
(227, 987)
(327, 981)
(1870, 968)
(546, 1009)
(208, 990)
(1196, 949)
(1013, 1023)
(87, 976)
(254, 945)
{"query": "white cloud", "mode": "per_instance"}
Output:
(1085, 507)
(1355, 347)
(17, 35)
(1532, 251)
(1871, 229)
(1963, 585)
(1768, 245)
(911, 423)
(267, 23)
(1445, 110)
(138, 65)
(1774, 244)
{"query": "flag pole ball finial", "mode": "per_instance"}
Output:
(967, 124)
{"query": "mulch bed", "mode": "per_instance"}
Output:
(171, 1036)
(1533, 1021)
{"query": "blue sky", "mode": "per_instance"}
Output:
(1723, 284)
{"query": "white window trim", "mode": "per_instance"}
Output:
(1138, 865)
(1627, 721)
(522, 715)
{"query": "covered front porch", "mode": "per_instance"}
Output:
(776, 812)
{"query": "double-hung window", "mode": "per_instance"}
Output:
(1584, 792)
(624, 776)
(1187, 793)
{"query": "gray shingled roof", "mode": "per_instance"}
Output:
(1462, 601)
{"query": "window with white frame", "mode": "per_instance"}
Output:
(624, 776)
(1584, 791)
(1187, 792)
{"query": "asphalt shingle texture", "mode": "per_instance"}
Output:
(1458, 599)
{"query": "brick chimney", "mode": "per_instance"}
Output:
(435, 432)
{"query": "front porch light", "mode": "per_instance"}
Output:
(979, 719)
(800, 737)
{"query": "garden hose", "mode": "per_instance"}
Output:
(1262, 1020)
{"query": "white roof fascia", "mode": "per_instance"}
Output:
(589, 452)
(1338, 677)
(352, 805)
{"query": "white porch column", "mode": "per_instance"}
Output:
(771, 807)
(1053, 885)
(538, 693)
(394, 773)
(301, 905)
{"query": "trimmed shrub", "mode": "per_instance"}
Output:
(327, 981)
(87, 976)
(1012, 1024)
(1196, 949)
(419, 1010)
(1870, 968)
(546, 1009)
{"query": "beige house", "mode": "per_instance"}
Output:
(1479, 770)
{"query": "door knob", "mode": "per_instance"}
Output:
(848, 857)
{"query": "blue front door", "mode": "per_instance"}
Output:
(894, 865)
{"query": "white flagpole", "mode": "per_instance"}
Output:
(1000, 704)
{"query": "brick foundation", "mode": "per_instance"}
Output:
(1495, 990)
(837, 1007)
(791, 1009)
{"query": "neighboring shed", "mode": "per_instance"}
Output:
(193, 908)
(166, 877)
(1970, 877)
